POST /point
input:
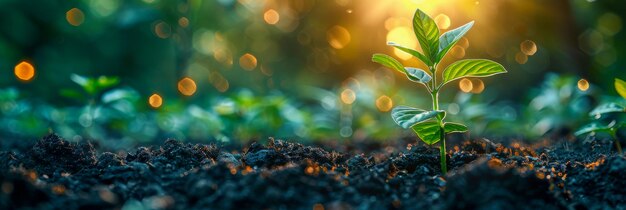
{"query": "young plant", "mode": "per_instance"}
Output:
(603, 109)
(429, 125)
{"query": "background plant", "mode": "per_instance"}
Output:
(429, 125)
(603, 122)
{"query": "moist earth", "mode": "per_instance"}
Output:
(57, 174)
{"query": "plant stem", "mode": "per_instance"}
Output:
(442, 138)
(617, 144)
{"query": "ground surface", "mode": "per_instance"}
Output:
(57, 174)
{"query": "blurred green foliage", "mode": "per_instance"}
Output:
(291, 85)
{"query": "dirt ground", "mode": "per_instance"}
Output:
(56, 174)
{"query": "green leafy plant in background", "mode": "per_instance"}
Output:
(429, 125)
(604, 109)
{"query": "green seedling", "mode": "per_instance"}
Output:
(604, 109)
(429, 125)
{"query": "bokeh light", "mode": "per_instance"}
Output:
(248, 62)
(271, 17)
(187, 86)
(162, 30)
(338, 37)
(478, 86)
(155, 101)
(465, 85)
(583, 85)
(528, 47)
(403, 36)
(521, 58)
(384, 103)
(24, 71)
(75, 16)
(348, 96)
(183, 22)
(443, 21)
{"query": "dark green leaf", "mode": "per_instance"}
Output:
(412, 52)
(606, 108)
(429, 132)
(471, 68)
(450, 38)
(450, 127)
(409, 116)
(427, 34)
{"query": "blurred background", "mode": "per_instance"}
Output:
(240, 70)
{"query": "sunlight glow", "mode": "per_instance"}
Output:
(405, 37)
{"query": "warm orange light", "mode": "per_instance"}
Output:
(338, 37)
(348, 96)
(403, 36)
(458, 52)
(384, 103)
(528, 47)
(248, 61)
(162, 30)
(583, 85)
(24, 71)
(155, 101)
(183, 22)
(521, 58)
(271, 17)
(75, 16)
(443, 21)
(465, 85)
(187, 86)
(478, 86)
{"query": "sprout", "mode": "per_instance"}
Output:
(429, 125)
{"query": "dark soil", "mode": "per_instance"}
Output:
(57, 174)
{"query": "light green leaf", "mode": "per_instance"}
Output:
(593, 127)
(106, 82)
(412, 52)
(80, 80)
(417, 75)
(429, 132)
(607, 108)
(471, 68)
(408, 116)
(450, 127)
(427, 34)
(389, 62)
(620, 87)
(450, 38)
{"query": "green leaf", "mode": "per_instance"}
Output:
(417, 75)
(450, 38)
(450, 127)
(427, 34)
(620, 87)
(106, 82)
(408, 116)
(429, 132)
(71, 93)
(593, 127)
(389, 62)
(414, 74)
(607, 108)
(80, 80)
(412, 52)
(471, 68)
